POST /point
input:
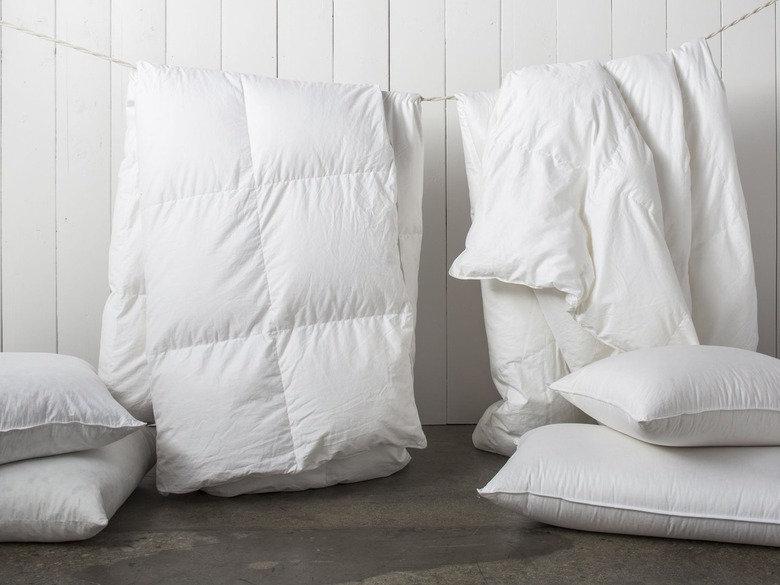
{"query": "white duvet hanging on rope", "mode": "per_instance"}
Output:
(613, 192)
(264, 278)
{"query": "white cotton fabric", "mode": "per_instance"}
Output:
(571, 203)
(654, 249)
(685, 396)
(379, 462)
(51, 403)
(723, 288)
(280, 227)
(590, 477)
(71, 496)
(122, 362)
(524, 356)
(651, 90)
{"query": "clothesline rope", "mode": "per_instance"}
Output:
(740, 19)
(103, 56)
(439, 98)
(60, 42)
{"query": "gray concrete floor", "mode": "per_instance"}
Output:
(424, 525)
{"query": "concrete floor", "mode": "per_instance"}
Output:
(425, 525)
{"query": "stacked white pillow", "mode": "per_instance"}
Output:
(689, 448)
(682, 395)
(69, 453)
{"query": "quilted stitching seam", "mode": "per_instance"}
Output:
(405, 311)
(258, 186)
(261, 250)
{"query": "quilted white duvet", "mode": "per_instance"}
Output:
(263, 279)
(607, 216)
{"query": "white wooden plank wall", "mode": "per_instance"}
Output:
(473, 63)
(638, 27)
(63, 130)
(29, 268)
(249, 36)
(137, 34)
(305, 42)
(749, 70)
(363, 24)
(584, 30)
(83, 174)
(417, 65)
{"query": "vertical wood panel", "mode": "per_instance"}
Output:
(417, 65)
(692, 19)
(305, 42)
(28, 176)
(360, 42)
(472, 64)
(638, 27)
(749, 76)
(249, 36)
(584, 30)
(193, 33)
(529, 34)
(83, 179)
(137, 34)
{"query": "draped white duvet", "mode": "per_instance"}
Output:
(264, 277)
(607, 216)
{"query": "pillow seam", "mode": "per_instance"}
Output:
(639, 419)
(690, 515)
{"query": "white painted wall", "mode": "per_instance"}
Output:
(62, 132)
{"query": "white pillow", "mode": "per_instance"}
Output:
(696, 395)
(52, 404)
(589, 477)
(71, 496)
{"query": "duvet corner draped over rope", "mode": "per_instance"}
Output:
(608, 216)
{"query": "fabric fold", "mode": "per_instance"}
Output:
(722, 274)
(571, 203)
